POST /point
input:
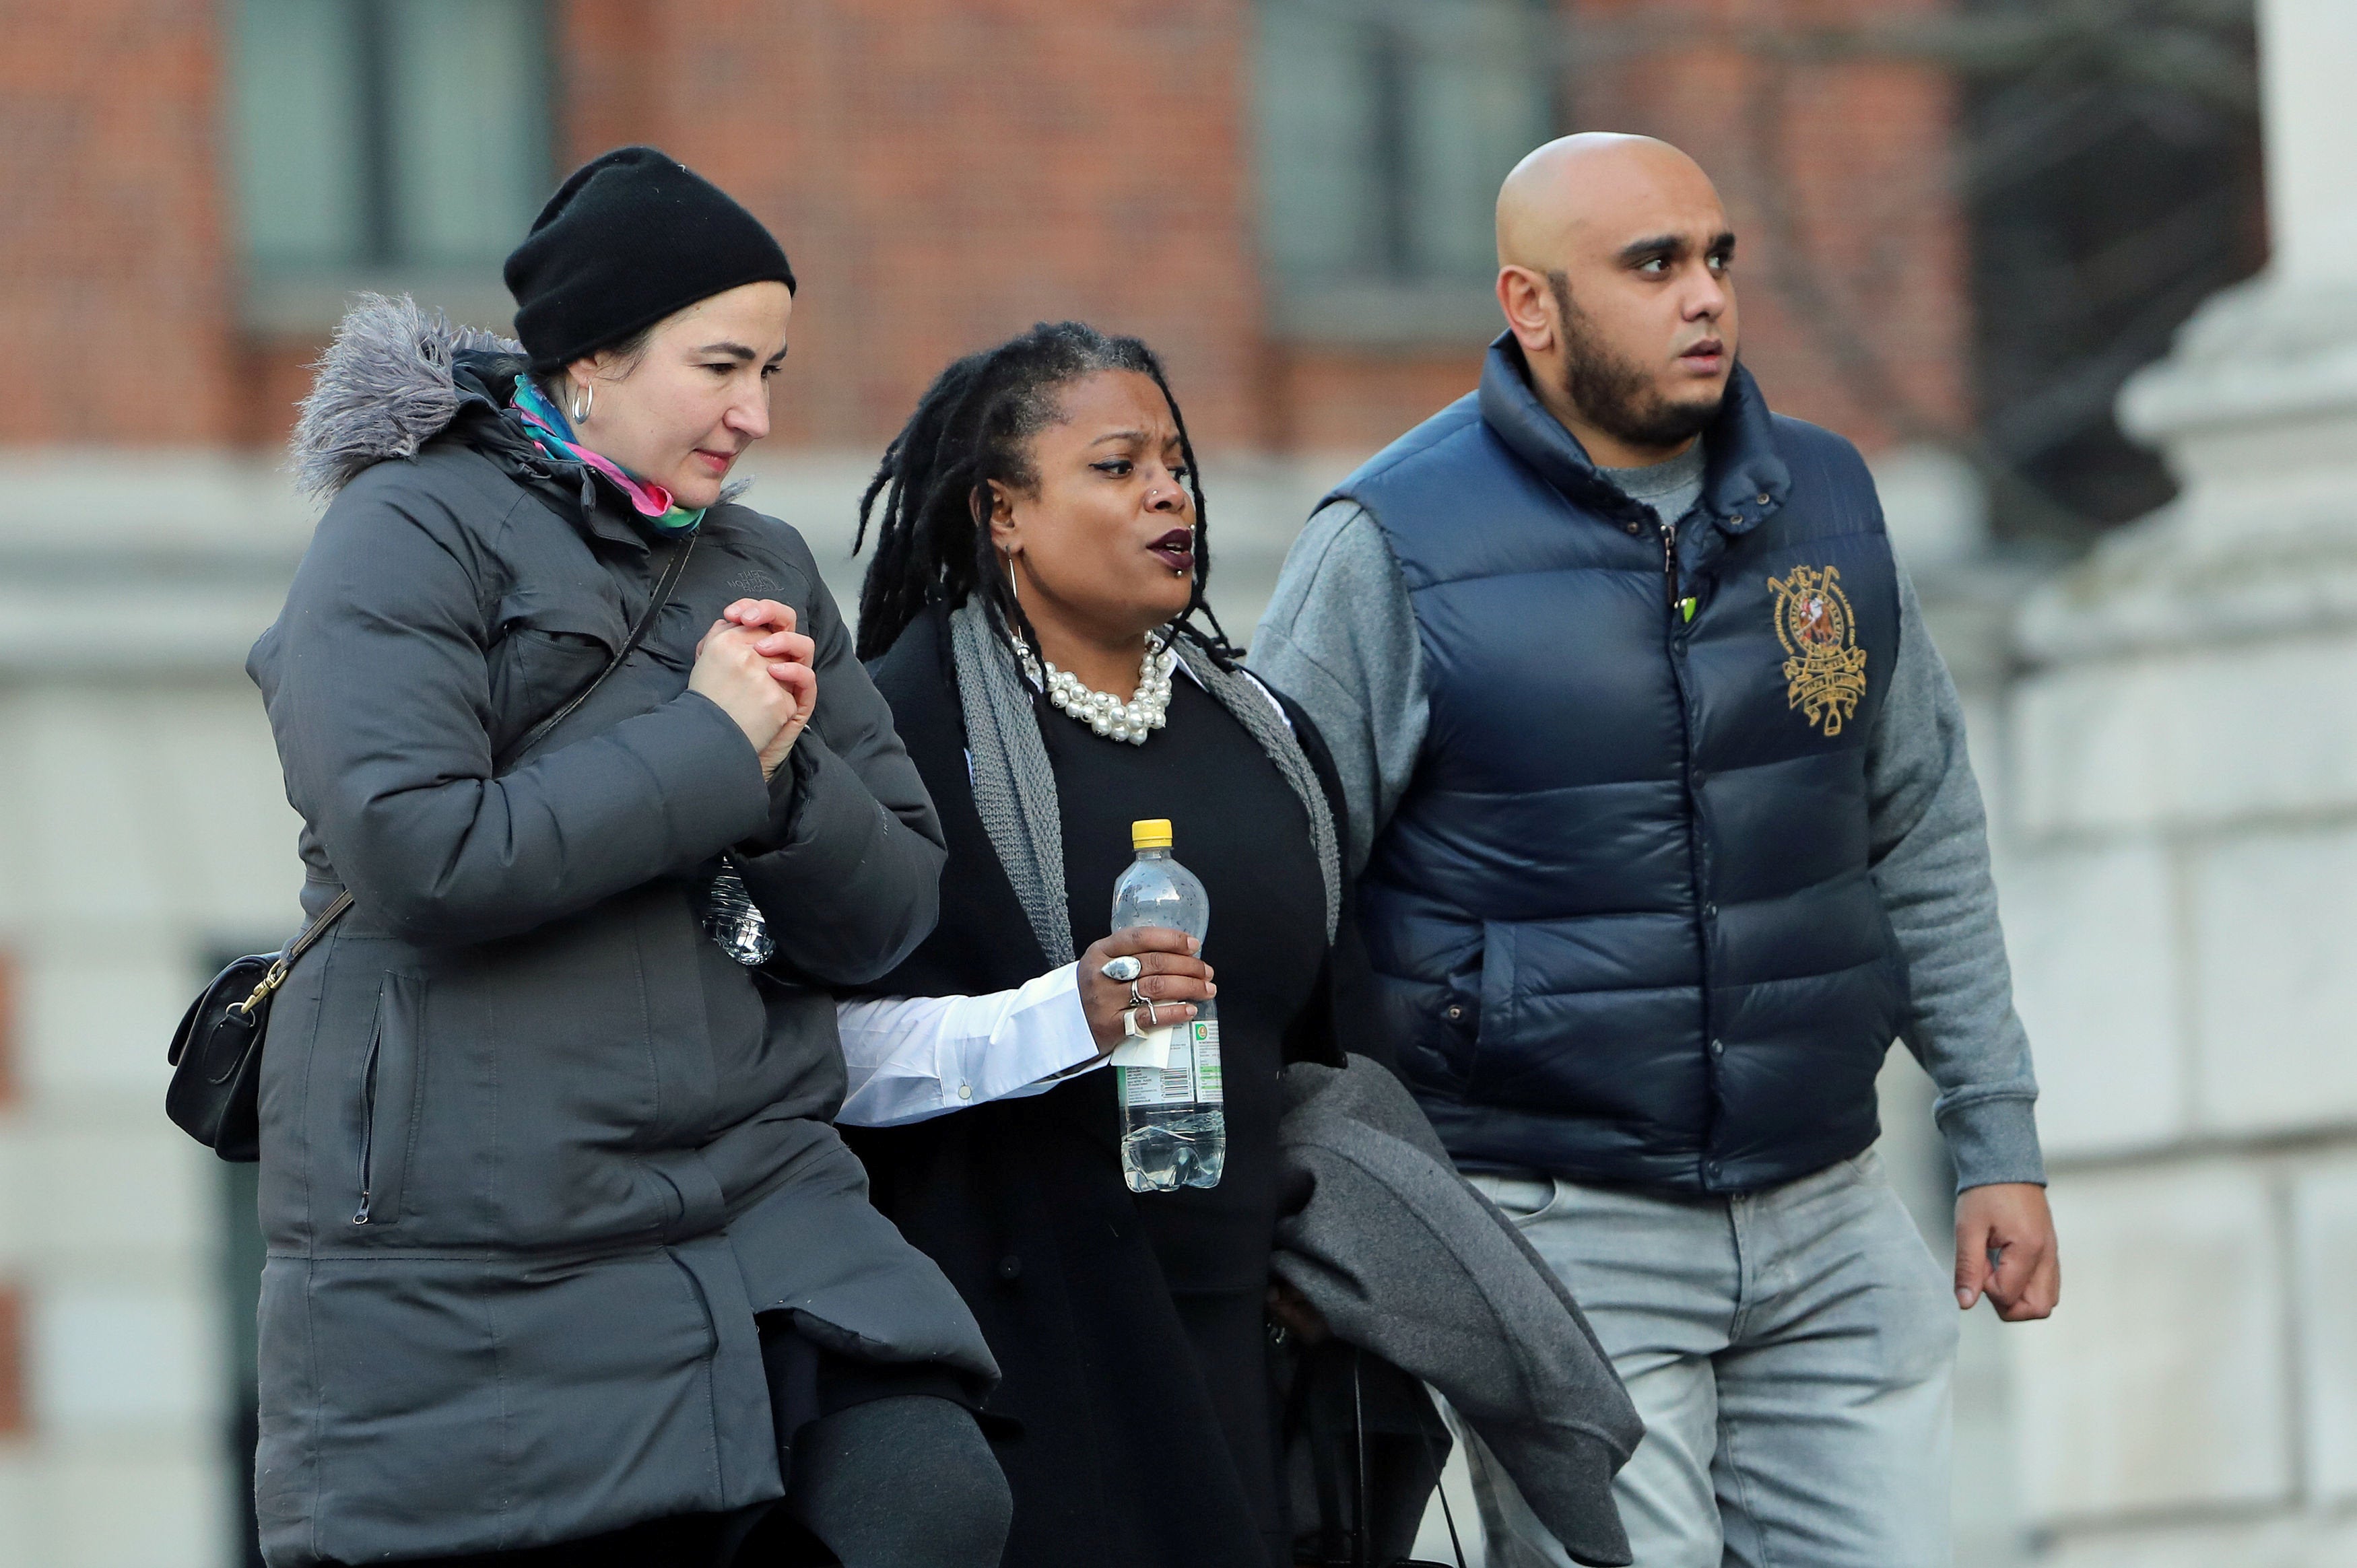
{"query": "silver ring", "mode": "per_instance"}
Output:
(1136, 1000)
(1125, 968)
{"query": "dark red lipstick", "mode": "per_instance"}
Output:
(1175, 549)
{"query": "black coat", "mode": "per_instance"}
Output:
(1120, 1458)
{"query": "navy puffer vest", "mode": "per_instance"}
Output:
(1624, 915)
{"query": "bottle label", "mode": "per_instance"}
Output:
(1192, 1075)
(1143, 1087)
(1204, 1037)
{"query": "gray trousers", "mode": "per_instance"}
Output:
(1791, 1353)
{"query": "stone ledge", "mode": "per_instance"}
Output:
(194, 548)
(2246, 1537)
(2258, 406)
(2292, 1151)
(2262, 352)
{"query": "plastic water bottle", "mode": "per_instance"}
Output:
(1174, 1127)
(734, 920)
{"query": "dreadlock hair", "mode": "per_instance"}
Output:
(974, 425)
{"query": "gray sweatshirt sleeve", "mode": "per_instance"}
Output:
(1930, 847)
(1339, 639)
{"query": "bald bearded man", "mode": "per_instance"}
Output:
(1665, 830)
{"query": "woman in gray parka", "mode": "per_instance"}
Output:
(566, 1264)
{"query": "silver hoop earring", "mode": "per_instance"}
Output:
(1014, 583)
(584, 398)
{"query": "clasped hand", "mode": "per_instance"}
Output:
(756, 668)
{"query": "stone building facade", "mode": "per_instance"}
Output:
(2184, 910)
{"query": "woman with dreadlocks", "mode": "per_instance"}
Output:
(1034, 614)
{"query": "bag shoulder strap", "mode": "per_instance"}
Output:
(662, 596)
(538, 732)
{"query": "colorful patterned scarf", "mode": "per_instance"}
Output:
(666, 516)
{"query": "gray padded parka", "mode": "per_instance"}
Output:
(594, 1146)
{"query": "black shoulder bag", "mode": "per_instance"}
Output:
(1371, 1487)
(216, 1053)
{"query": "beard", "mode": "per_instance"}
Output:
(1617, 394)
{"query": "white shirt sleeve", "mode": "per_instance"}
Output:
(912, 1058)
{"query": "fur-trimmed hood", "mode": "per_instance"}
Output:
(391, 382)
(398, 375)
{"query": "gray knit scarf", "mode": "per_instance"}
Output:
(1014, 787)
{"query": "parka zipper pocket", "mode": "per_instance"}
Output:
(390, 1088)
(367, 1115)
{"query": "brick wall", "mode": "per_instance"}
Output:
(1852, 264)
(1326, 399)
(944, 172)
(114, 298)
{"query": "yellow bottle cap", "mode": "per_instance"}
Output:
(1152, 833)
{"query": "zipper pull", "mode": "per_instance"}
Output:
(362, 1216)
(1683, 609)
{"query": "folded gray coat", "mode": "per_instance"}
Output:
(1405, 1260)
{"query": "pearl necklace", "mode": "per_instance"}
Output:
(1102, 711)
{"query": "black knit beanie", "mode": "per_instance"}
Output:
(630, 238)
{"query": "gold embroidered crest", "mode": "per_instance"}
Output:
(1824, 675)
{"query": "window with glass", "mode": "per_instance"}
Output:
(1386, 127)
(388, 140)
